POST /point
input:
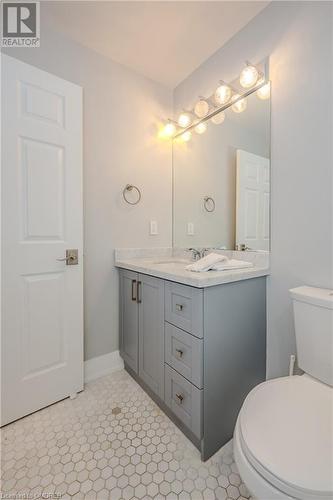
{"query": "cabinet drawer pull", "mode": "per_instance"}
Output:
(133, 290)
(138, 291)
(180, 398)
(179, 307)
(179, 353)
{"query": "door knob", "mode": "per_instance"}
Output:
(180, 398)
(72, 257)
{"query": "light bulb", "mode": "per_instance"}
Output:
(169, 129)
(186, 136)
(264, 92)
(222, 94)
(240, 105)
(249, 76)
(184, 120)
(217, 119)
(201, 128)
(201, 108)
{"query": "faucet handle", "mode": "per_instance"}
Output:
(204, 251)
(195, 253)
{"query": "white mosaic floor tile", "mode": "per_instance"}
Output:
(111, 442)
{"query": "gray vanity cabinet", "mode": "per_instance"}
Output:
(129, 315)
(151, 333)
(142, 327)
(197, 351)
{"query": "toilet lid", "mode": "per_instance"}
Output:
(286, 429)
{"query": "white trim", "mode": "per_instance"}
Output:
(102, 365)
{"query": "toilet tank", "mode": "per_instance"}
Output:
(313, 316)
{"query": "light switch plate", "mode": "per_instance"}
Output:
(190, 228)
(153, 227)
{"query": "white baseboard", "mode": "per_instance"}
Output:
(102, 365)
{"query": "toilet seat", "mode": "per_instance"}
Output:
(285, 430)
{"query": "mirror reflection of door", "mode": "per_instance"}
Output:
(252, 201)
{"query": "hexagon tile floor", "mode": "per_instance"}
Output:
(111, 442)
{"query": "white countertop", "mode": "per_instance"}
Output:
(173, 269)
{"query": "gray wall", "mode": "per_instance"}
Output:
(122, 111)
(298, 38)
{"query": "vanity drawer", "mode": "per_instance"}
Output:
(184, 353)
(184, 307)
(184, 400)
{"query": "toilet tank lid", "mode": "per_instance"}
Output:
(322, 297)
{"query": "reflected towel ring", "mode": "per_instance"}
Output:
(127, 189)
(209, 204)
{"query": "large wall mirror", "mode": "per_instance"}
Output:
(221, 195)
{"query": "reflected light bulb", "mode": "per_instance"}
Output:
(249, 77)
(169, 129)
(184, 120)
(264, 92)
(201, 108)
(217, 119)
(201, 128)
(222, 94)
(240, 105)
(186, 136)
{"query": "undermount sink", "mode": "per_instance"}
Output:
(173, 262)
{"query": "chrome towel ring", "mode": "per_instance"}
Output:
(209, 204)
(127, 189)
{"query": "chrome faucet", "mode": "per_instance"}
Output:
(198, 254)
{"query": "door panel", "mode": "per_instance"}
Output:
(129, 319)
(251, 221)
(253, 201)
(43, 311)
(42, 298)
(42, 104)
(151, 333)
(42, 165)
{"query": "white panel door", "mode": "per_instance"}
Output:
(252, 194)
(42, 297)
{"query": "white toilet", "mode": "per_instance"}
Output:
(283, 440)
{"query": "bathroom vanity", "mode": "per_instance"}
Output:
(196, 342)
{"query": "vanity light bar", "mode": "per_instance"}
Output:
(218, 110)
(252, 78)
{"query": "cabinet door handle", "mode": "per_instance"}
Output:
(180, 398)
(138, 292)
(179, 353)
(133, 290)
(179, 307)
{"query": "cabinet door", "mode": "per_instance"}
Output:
(151, 332)
(129, 319)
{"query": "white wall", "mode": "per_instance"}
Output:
(298, 38)
(122, 111)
